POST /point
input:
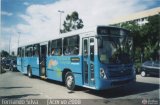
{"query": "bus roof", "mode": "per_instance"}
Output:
(80, 32)
(63, 35)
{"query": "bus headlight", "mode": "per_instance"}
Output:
(102, 73)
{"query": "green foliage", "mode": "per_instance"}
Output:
(4, 53)
(145, 38)
(72, 22)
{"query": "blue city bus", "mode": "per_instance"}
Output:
(97, 58)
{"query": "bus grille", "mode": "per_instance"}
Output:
(121, 82)
(120, 73)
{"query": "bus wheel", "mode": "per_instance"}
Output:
(29, 72)
(70, 81)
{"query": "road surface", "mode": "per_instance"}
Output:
(14, 85)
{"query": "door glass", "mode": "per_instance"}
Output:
(88, 61)
(85, 60)
(85, 48)
(22, 59)
(92, 61)
(92, 49)
(43, 60)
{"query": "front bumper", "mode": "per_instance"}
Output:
(103, 84)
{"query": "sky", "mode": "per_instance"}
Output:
(33, 21)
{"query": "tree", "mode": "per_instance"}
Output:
(72, 22)
(135, 33)
(13, 53)
(4, 53)
(145, 38)
(152, 37)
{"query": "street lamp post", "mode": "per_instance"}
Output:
(60, 20)
(18, 38)
(10, 44)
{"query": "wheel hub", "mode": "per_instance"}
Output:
(29, 73)
(69, 80)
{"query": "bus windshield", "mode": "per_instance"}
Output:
(116, 50)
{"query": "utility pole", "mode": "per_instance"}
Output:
(18, 37)
(60, 20)
(10, 44)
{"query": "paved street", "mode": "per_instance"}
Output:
(18, 86)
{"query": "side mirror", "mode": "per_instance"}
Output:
(99, 41)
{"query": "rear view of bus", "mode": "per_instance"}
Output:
(115, 58)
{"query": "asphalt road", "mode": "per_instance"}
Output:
(18, 86)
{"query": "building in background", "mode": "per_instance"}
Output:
(139, 17)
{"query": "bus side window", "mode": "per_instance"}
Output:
(53, 46)
(25, 51)
(59, 47)
(59, 51)
(52, 51)
(56, 49)
(71, 45)
(19, 52)
(49, 48)
(22, 52)
(67, 51)
(36, 50)
(29, 51)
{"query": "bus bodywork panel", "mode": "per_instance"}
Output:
(116, 75)
(19, 64)
(57, 64)
(107, 84)
(24, 62)
(33, 62)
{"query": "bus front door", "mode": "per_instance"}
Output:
(88, 62)
(42, 59)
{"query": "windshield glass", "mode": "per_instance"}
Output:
(116, 49)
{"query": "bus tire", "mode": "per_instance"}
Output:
(29, 72)
(70, 81)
